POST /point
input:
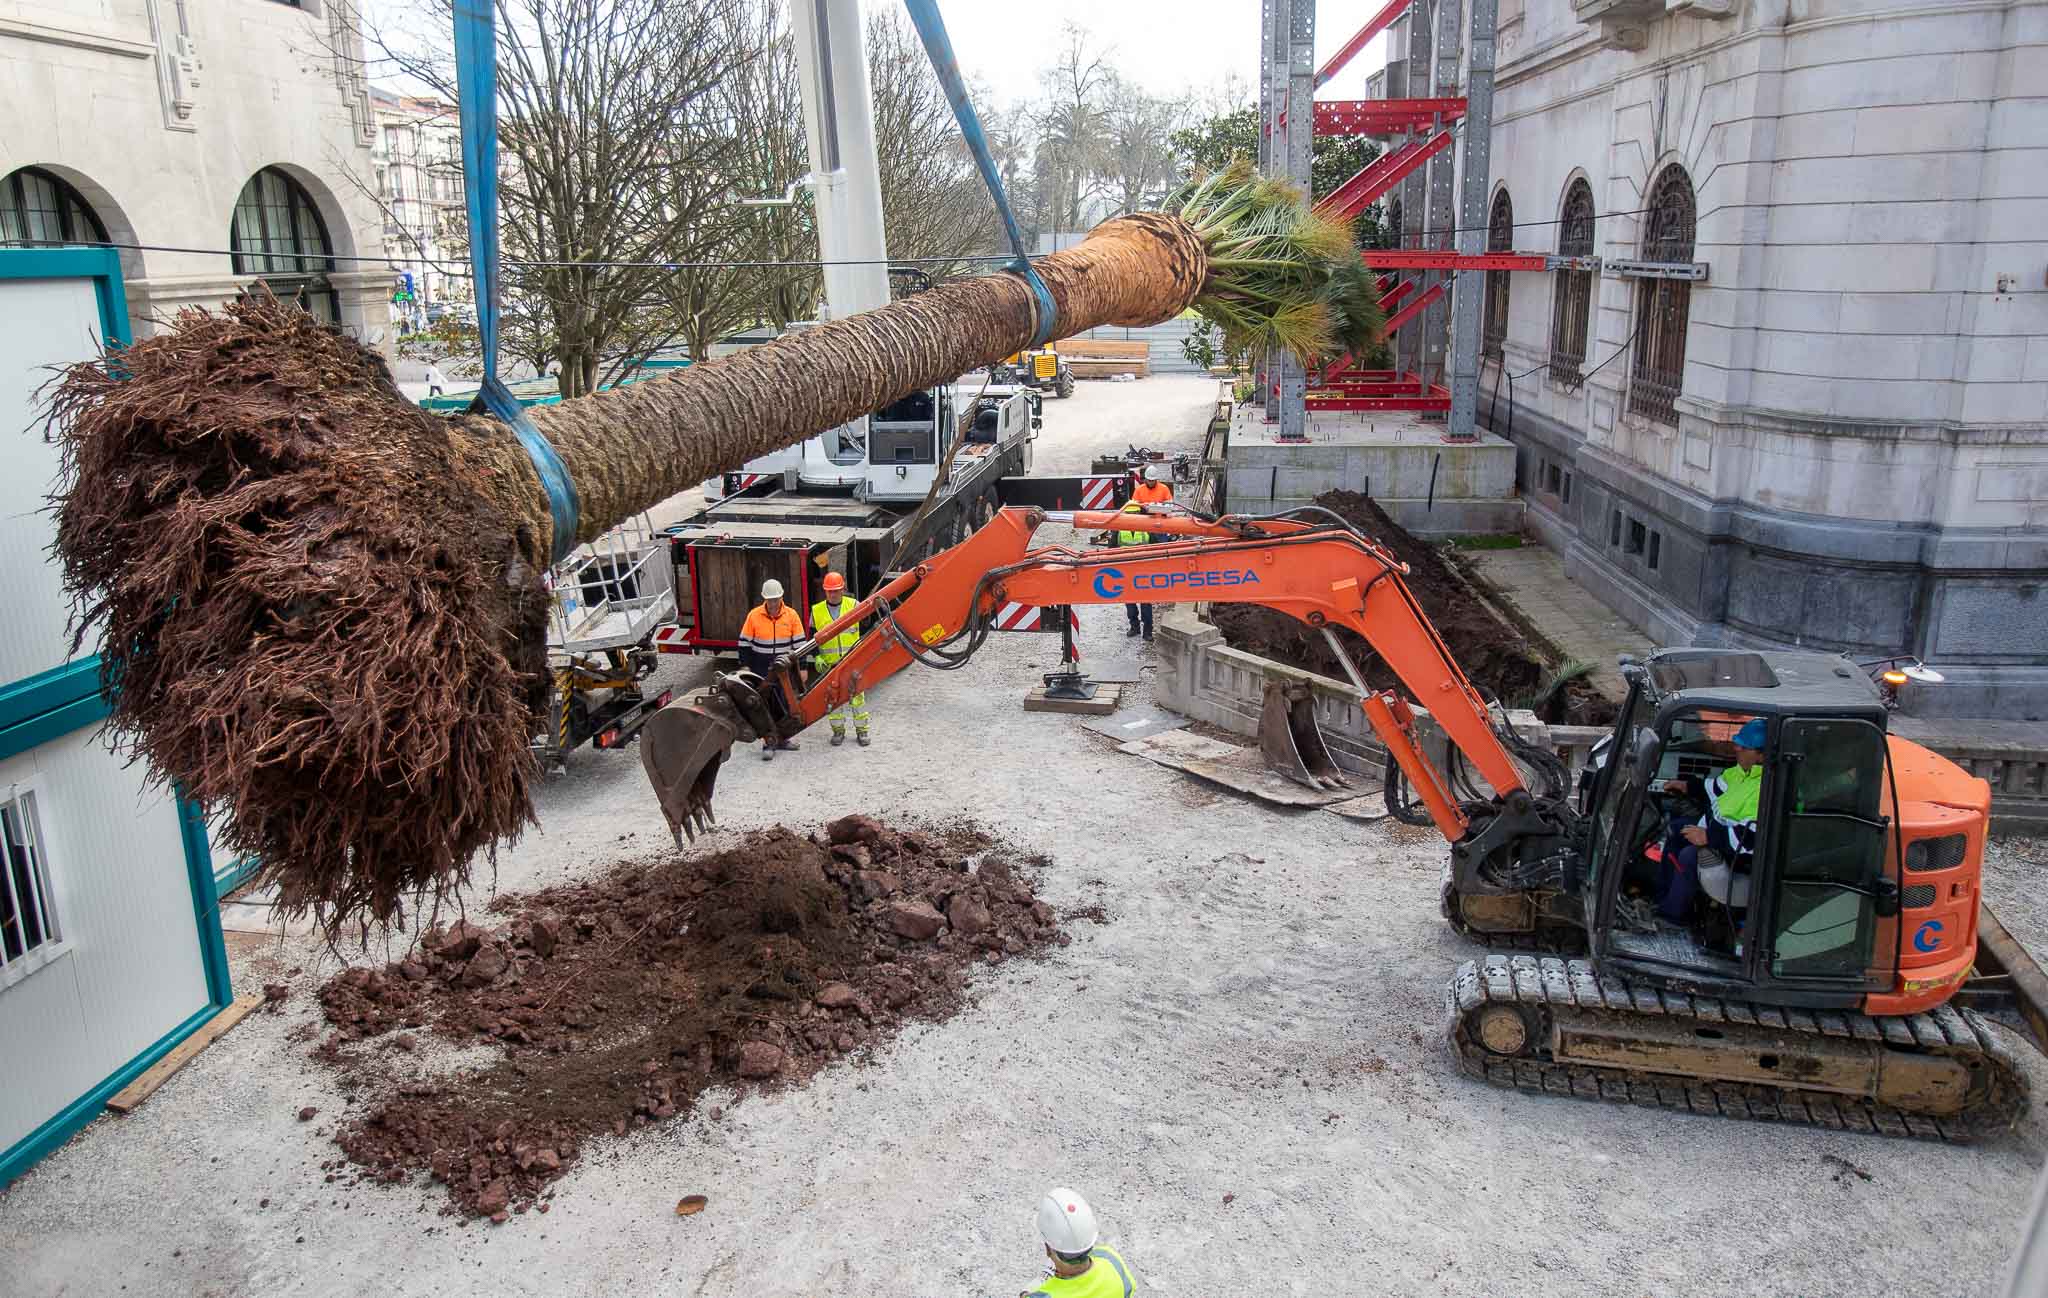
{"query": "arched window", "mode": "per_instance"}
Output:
(1663, 306)
(277, 233)
(1500, 237)
(37, 207)
(1571, 306)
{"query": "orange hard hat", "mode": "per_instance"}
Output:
(833, 581)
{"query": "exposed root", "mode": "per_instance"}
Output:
(319, 609)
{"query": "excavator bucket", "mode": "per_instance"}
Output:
(2005, 969)
(682, 746)
(1292, 741)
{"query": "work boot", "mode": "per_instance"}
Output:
(767, 752)
(838, 738)
(787, 746)
(1130, 632)
(1148, 637)
(861, 737)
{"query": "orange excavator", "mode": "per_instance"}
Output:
(1842, 972)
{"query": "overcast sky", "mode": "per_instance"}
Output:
(1170, 47)
(1166, 46)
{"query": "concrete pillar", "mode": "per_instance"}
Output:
(1295, 61)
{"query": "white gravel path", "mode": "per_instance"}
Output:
(1259, 1019)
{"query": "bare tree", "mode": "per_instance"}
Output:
(933, 200)
(756, 110)
(1073, 129)
(599, 102)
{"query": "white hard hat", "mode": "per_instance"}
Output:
(1151, 473)
(771, 589)
(1066, 1223)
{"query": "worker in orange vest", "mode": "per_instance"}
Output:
(1151, 489)
(771, 630)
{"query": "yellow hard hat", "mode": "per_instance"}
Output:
(1132, 507)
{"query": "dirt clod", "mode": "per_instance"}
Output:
(914, 919)
(750, 967)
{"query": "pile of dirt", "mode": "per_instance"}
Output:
(618, 1002)
(1494, 654)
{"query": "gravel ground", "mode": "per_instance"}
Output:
(1257, 1020)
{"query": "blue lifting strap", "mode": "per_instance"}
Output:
(476, 92)
(931, 28)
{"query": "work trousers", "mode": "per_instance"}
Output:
(857, 704)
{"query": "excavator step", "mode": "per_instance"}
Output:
(1557, 1026)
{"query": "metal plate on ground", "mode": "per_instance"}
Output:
(1130, 725)
(1367, 807)
(1240, 769)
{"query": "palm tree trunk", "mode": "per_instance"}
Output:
(635, 446)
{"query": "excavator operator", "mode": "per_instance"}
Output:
(1712, 852)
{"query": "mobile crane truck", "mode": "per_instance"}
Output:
(1842, 980)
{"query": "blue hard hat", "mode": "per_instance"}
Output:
(1751, 735)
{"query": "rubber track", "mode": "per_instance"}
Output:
(1546, 982)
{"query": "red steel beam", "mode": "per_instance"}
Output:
(1379, 23)
(1421, 404)
(1425, 259)
(1395, 294)
(1414, 308)
(1381, 175)
(1383, 116)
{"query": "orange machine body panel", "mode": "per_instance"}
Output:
(1942, 812)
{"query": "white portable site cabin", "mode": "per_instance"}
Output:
(110, 938)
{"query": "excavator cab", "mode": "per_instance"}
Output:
(1807, 910)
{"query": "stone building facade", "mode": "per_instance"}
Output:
(194, 128)
(1839, 437)
(418, 161)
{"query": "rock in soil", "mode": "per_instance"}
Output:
(617, 1002)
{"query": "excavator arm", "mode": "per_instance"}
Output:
(1310, 565)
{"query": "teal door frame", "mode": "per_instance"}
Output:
(68, 697)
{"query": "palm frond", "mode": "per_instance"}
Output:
(1283, 278)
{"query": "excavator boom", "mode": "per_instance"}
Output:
(1310, 565)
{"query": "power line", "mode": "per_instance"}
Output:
(397, 263)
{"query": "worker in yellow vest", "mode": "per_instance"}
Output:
(1081, 1266)
(836, 604)
(1139, 614)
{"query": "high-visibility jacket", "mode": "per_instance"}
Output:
(771, 637)
(1132, 538)
(822, 616)
(1151, 493)
(1106, 1277)
(1735, 795)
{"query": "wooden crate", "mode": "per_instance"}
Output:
(729, 581)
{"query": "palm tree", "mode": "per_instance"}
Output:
(321, 611)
